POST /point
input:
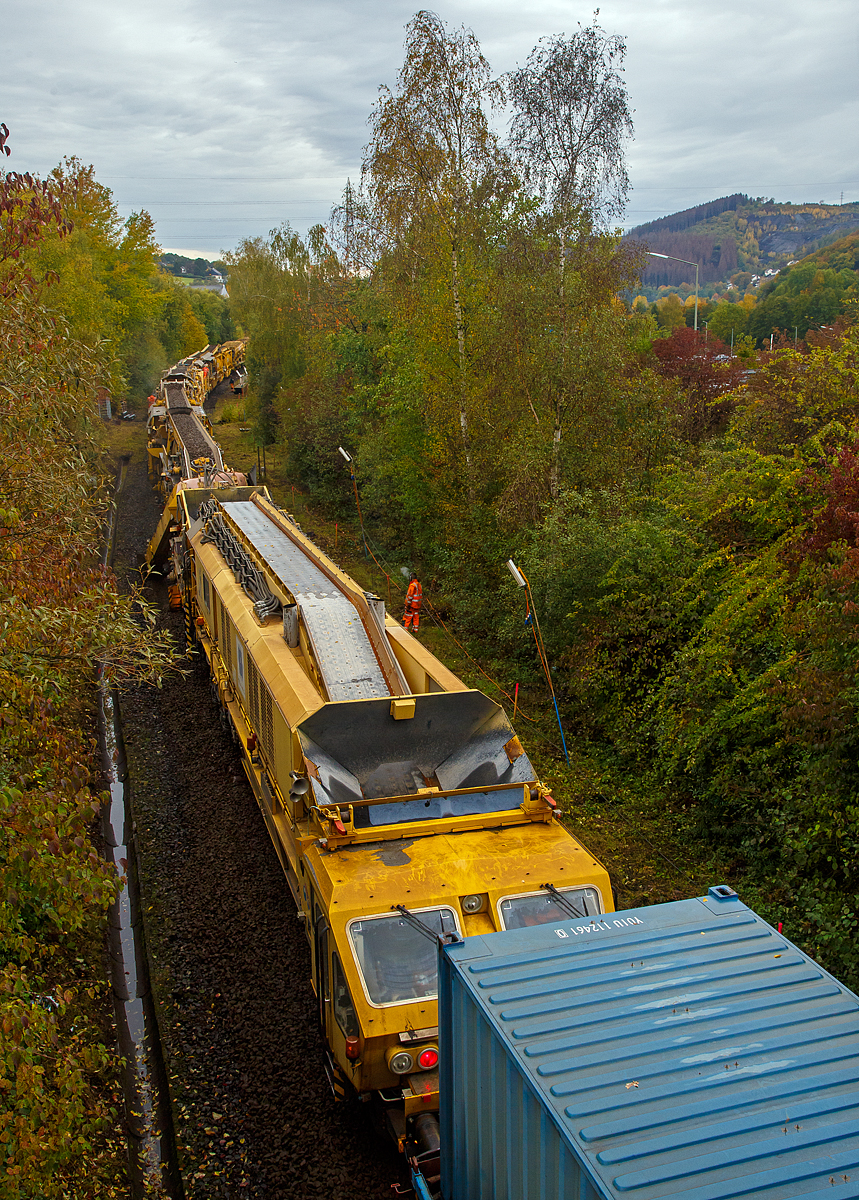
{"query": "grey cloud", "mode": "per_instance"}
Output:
(225, 119)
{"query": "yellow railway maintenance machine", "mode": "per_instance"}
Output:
(180, 440)
(401, 803)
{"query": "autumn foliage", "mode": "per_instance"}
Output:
(61, 1128)
(836, 522)
(706, 372)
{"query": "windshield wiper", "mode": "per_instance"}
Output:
(446, 939)
(563, 901)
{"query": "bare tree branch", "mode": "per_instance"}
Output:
(572, 120)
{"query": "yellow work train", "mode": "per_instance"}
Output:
(200, 373)
(181, 445)
(400, 802)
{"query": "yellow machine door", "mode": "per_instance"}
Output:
(322, 980)
(322, 972)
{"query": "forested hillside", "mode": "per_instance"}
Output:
(737, 233)
(688, 521)
(811, 294)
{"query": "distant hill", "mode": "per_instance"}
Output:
(736, 233)
(809, 294)
(842, 255)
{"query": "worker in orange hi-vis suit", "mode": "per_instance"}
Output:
(414, 599)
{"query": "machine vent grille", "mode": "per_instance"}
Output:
(253, 693)
(260, 704)
(266, 721)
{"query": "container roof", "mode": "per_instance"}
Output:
(685, 1049)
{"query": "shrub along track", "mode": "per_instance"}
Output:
(229, 960)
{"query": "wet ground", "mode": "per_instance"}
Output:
(230, 965)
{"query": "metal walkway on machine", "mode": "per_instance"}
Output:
(347, 661)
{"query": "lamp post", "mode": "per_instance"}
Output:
(654, 254)
(350, 462)
(521, 580)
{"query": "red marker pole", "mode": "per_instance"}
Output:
(779, 926)
(515, 700)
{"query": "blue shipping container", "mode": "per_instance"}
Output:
(683, 1050)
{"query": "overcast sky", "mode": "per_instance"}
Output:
(223, 120)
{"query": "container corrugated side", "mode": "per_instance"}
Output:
(682, 1050)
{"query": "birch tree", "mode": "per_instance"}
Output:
(571, 121)
(431, 154)
(570, 124)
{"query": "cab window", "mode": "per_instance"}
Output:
(541, 908)
(397, 962)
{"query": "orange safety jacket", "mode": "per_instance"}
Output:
(414, 597)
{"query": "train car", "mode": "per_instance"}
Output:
(180, 442)
(203, 371)
(401, 804)
(193, 377)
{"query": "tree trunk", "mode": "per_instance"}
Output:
(555, 469)
(460, 341)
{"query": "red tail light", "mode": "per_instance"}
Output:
(252, 742)
(353, 1048)
(427, 1059)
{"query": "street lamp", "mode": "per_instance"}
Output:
(654, 254)
(521, 580)
(350, 462)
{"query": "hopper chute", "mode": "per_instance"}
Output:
(456, 756)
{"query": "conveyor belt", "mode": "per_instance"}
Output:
(343, 651)
(189, 429)
(193, 437)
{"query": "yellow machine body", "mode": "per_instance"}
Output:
(180, 443)
(415, 793)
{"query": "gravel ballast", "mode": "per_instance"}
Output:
(230, 964)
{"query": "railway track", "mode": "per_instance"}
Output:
(253, 1112)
